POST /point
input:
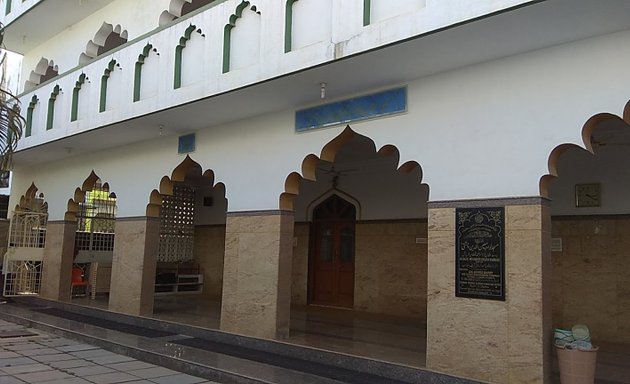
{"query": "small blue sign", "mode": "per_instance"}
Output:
(356, 109)
(186, 144)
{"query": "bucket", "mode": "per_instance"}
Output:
(577, 366)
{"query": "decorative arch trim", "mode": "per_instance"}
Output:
(137, 79)
(328, 153)
(366, 12)
(44, 70)
(587, 131)
(50, 119)
(31, 201)
(227, 31)
(29, 116)
(102, 42)
(177, 81)
(180, 8)
(79, 195)
(186, 167)
(104, 79)
(74, 113)
(288, 25)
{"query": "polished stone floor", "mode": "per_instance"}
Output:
(386, 338)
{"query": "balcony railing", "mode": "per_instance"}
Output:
(225, 47)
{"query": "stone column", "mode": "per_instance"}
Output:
(257, 274)
(133, 265)
(495, 341)
(57, 260)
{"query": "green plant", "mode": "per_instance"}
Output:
(11, 121)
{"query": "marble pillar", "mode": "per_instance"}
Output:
(57, 260)
(495, 341)
(257, 274)
(133, 266)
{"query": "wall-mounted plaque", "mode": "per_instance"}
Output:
(480, 253)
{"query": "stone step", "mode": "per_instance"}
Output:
(210, 354)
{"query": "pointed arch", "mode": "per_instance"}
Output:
(104, 80)
(188, 167)
(74, 113)
(227, 31)
(91, 183)
(137, 79)
(32, 201)
(177, 81)
(310, 209)
(50, 119)
(591, 125)
(328, 154)
(29, 115)
(288, 25)
(106, 39)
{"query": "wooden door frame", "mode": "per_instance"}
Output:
(310, 293)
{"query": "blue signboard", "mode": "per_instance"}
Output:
(356, 109)
(186, 144)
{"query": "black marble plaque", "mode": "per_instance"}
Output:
(480, 253)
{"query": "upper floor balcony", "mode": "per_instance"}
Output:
(32, 22)
(235, 59)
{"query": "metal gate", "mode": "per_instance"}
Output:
(22, 266)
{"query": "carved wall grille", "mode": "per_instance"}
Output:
(177, 230)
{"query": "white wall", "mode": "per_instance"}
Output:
(312, 22)
(479, 132)
(255, 56)
(137, 17)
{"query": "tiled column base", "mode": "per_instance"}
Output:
(133, 266)
(495, 341)
(57, 260)
(257, 274)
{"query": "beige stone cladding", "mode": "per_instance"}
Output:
(299, 280)
(57, 261)
(390, 267)
(591, 275)
(209, 250)
(257, 274)
(493, 341)
(133, 266)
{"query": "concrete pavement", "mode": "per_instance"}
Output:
(44, 358)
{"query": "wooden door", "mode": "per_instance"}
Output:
(332, 253)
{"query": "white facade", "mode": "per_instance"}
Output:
(461, 109)
(495, 89)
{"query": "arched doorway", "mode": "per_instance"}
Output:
(22, 262)
(189, 263)
(332, 253)
(360, 251)
(589, 235)
(95, 213)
